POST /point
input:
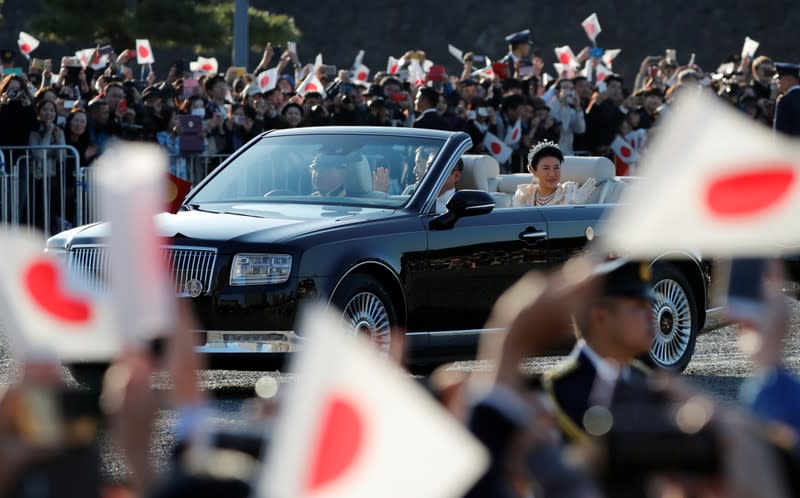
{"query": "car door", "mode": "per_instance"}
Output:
(570, 228)
(469, 265)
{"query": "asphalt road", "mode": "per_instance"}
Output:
(717, 366)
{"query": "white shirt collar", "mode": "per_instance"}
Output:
(441, 201)
(608, 370)
(427, 111)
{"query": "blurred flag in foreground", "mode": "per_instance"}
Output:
(356, 426)
(45, 310)
(131, 177)
(714, 181)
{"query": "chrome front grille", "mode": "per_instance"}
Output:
(185, 264)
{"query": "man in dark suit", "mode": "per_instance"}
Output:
(615, 327)
(427, 98)
(787, 110)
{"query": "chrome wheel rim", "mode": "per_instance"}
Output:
(673, 321)
(367, 315)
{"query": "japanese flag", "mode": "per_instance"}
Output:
(715, 182)
(496, 147)
(26, 43)
(625, 151)
(204, 65)
(602, 72)
(455, 52)
(317, 62)
(267, 79)
(749, 48)
(609, 56)
(358, 60)
(133, 190)
(359, 427)
(566, 57)
(311, 84)
(564, 70)
(416, 75)
(486, 71)
(144, 54)
(46, 310)
(514, 133)
(392, 65)
(85, 56)
(592, 27)
(361, 73)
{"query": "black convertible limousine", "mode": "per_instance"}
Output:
(257, 238)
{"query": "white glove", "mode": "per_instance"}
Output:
(581, 195)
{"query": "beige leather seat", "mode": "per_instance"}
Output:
(482, 172)
(358, 181)
(573, 169)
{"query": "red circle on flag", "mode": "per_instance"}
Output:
(264, 81)
(43, 281)
(207, 67)
(601, 76)
(515, 135)
(496, 149)
(751, 192)
(338, 444)
(590, 29)
(311, 87)
(625, 151)
(393, 69)
(362, 76)
(564, 58)
(25, 48)
(143, 52)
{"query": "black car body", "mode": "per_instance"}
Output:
(436, 275)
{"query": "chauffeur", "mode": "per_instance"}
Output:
(787, 111)
(327, 176)
(615, 328)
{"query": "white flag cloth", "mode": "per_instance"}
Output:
(514, 133)
(359, 59)
(566, 57)
(311, 84)
(416, 75)
(715, 182)
(749, 48)
(144, 53)
(359, 427)
(546, 79)
(609, 56)
(564, 70)
(85, 58)
(591, 25)
(487, 71)
(204, 65)
(602, 72)
(458, 54)
(47, 312)
(496, 147)
(392, 65)
(267, 79)
(317, 62)
(361, 73)
(132, 178)
(26, 43)
(625, 151)
(637, 138)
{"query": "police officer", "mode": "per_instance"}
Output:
(615, 327)
(519, 46)
(787, 110)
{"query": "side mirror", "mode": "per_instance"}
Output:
(464, 203)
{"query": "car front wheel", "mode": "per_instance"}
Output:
(367, 307)
(676, 319)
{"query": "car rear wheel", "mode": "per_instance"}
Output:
(676, 317)
(367, 307)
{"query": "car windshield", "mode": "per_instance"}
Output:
(347, 169)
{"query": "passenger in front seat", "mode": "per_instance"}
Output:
(544, 163)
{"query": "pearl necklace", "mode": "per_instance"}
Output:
(543, 199)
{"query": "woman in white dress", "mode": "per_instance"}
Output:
(544, 163)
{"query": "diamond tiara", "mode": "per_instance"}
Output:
(546, 144)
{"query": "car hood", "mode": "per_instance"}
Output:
(246, 222)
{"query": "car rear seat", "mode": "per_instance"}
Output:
(481, 172)
(576, 169)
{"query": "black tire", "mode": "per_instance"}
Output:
(677, 319)
(368, 307)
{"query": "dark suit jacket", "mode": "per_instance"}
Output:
(571, 385)
(431, 121)
(787, 114)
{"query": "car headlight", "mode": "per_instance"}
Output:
(58, 252)
(252, 269)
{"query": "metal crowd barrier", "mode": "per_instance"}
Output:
(46, 187)
(192, 168)
(37, 187)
